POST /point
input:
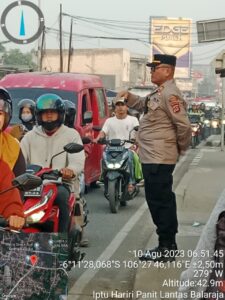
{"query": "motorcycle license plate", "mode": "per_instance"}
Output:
(34, 193)
(119, 149)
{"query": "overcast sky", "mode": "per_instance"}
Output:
(121, 10)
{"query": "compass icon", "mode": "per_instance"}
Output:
(22, 36)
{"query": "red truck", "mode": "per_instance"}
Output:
(86, 91)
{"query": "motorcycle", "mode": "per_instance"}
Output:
(115, 172)
(24, 182)
(216, 125)
(207, 128)
(196, 129)
(41, 213)
(195, 133)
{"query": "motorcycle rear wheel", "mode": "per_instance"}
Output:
(113, 196)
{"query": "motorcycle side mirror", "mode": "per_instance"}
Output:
(73, 148)
(86, 140)
(26, 182)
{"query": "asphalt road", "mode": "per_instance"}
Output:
(115, 239)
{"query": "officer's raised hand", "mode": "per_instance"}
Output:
(123, 94)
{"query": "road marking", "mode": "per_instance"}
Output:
(76, 291)
(196, 160)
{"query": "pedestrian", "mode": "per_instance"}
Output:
(164, 134)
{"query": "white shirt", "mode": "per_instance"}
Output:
(115, 128)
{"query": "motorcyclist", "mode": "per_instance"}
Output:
(27, 116)
(196, 111)
(119, 127)
(208, 112)
(11, 163)
(70, 112)
(202, 107)
(47, 139)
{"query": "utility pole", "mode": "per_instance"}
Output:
(42, 49)
(221, 70)
(60, 39)
(70, 51)
(39, 63)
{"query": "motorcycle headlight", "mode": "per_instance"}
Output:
(206, 121)
(214, 124)
(195, 129)
(114, 166)
(110, 166)
(43, 201)
(223, 122)
(35, 218)
(117, 165)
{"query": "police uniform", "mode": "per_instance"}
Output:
(164, 132)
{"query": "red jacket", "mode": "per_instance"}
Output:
(10, 202)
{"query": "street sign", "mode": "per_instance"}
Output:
(211, 30)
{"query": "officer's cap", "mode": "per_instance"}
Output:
(162, 59)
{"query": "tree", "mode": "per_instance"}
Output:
(15, 57)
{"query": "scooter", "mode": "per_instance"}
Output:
(24, 182)
(115, 172)
(195, 134)
(41, 213)
(21, 252)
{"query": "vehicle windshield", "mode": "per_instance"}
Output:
(33, 93)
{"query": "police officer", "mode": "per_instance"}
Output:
(164, 134)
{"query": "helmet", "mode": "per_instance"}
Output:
(50, 102)
(70, 112)
(27, 103)
(202, 105)
(6, 106)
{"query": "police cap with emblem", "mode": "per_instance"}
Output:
(162, 59)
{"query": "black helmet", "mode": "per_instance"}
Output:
(27, 103)
(6, 106)
(50, 102)
(70, 112)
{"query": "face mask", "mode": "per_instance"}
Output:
(26, 117)
(50, 125)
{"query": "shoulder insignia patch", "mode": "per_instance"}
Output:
(174, 103)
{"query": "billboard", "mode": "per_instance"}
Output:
(172, 36)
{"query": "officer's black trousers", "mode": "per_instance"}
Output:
(161, 200)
